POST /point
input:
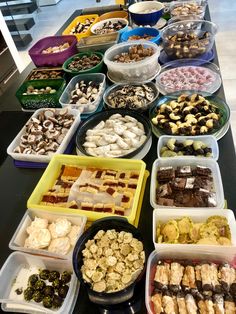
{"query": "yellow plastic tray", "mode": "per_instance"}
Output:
(53, 170)
(81, 19)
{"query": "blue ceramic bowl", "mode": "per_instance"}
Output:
(141, 31)
(146, 12)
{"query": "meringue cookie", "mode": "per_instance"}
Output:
(60, 246)
(38, 239)
(37, 223)
(73, 235)
(60, 228)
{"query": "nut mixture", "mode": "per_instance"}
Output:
(135, 53)
(214, 231)
(109, 27)
(44, 134)
(84, 94)
(186, 44)
(35, 91)
(186, 148)
(82, 28)
(131, 96)
(137, 37)
(55, 49)
(188, 115)
(84, 63)
(112, 260)
(187, 9)
(46, 74)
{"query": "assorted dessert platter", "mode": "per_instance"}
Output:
(100, 93)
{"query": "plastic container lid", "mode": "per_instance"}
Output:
(209, 140)
(20, 235)
(175, 162)
(98, 78)
(197, 216)
(11, 268)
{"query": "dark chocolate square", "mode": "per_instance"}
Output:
(165, 174)
(184, 171)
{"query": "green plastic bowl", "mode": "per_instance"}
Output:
(96, 69)
(33, 102)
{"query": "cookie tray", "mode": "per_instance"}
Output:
(209, 140)
(52, 173)
(9, 272)
(163, 215)
(183, 161)
(17, 241)
(44, 158)
(222, 255)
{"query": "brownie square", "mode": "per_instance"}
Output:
(178, 183)
(184, 171)
(165, 201)
(165, 174)
(202, 171)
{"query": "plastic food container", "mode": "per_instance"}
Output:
(116, 87)
(177, 5)
(179, 18)
(222, 106)
(175, 162)
(46, 71)
(43, 158)
(114, 14)
(221, 255)
(34, 102)
(197, 216)
(188, 48)
(188, 74)
(96, 69)
(81, 19)
(10, 270)
(146, 12)
(99, 78)
(52, 59)
(98, 42)
(54, 168)
(209, 140)
(136, 72)
(96, 27)
(95, 119)
(105, 224)
(141, 31)
(17, 241)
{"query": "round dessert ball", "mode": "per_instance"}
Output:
(65, 277)
(54, 274)
(33, 279)
(38, 296)
(48, 290)
(62, 291)
(47, 302)
(28, 293)
(57, 301)
(57, 283)
(39, 285)
(44, 274)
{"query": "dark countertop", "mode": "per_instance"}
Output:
(17, 184)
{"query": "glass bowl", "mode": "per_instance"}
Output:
(186, 8)
(188, 39)
(128, 104)
(219, 105)
(188, 74)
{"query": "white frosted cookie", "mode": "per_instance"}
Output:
(73, 235)
(60, 228)
(37, 223)
(60, 246)
(38, 239)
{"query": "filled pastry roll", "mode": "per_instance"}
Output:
(209, 305)
(169, 303)
(181, 303)
(157, 303)
(218, 301)
(176, 275)
(161, 279)
(190, 304)
(229, 305)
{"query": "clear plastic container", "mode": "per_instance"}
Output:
(209, 140)
(175, 162)
(20, 235)
(99, 78)
(43, 158)
(196, 7)
(10, 270)
(96, 27)
(187, 48)
(135, 72)
(221, 255)
(197, 216)
(98, 42)
(188, 74)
